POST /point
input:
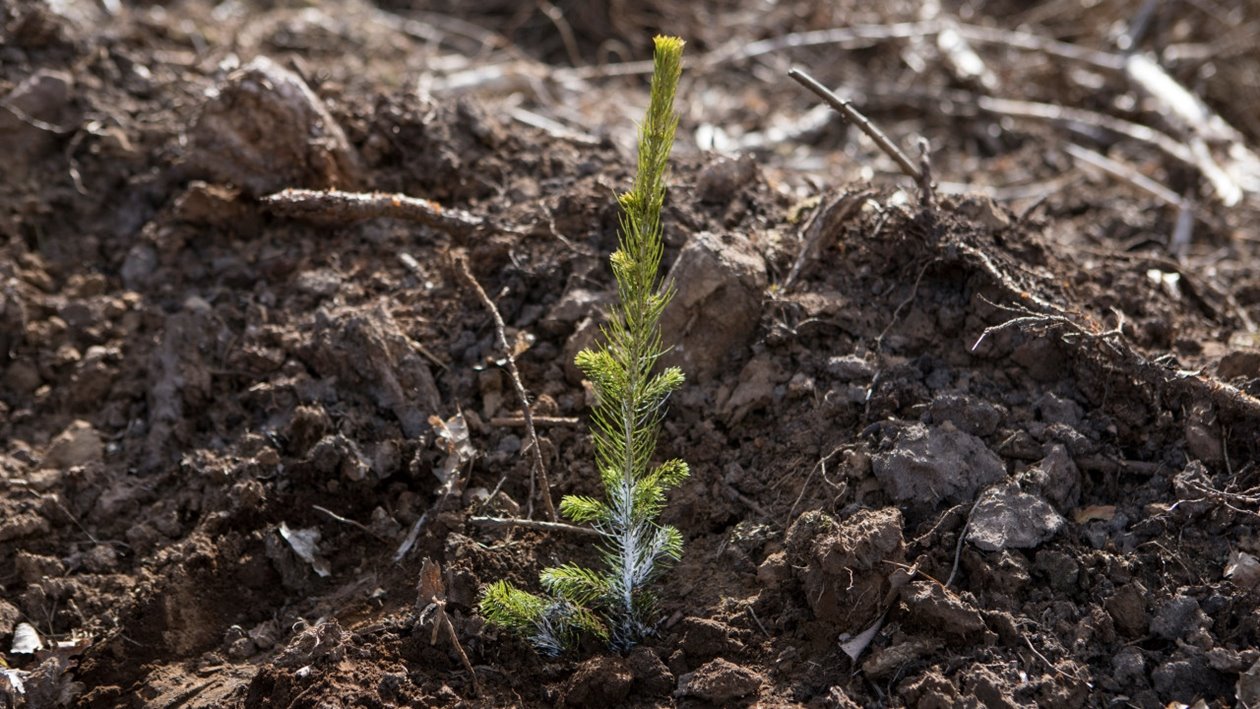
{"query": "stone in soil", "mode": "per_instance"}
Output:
(968, 413)
(1178, 616)
(720, 281)
(927, 466)
(1005, 518)
(263, 130)
(1056, 478)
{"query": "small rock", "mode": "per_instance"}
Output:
(968, 413)
(985, 685)
(1005, 518)
(719, 682)
(264, 130)
(575, 304)
(601, 681)
(1184, 679)
(773, 570)
(22, 377)
(1178, 616)
(43, 96)
(139, 265)
(719, 180)
(885, 661)
(1055, 409)
(101, 559)
(79, 444)
(1127, 608)
(1247, 689)
(241, 649)
(1056, 478)
(755, 389)
(265, 635)
(1203, 440)
(1129, 666)
(934, 608)
(213, 205)
(716, 310)
(9, 615)
(22, 524)
(930, 465)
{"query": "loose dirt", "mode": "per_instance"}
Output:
(994, 450)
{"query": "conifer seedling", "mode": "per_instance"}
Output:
(615, 602)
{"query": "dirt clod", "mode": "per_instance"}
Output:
(263, 130)
(927, 466)
(845, 572)
(719, 682)
(601, 681)
(937, 610)
(1006, 518)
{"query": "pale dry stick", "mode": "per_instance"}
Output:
(1124, 172)
(346, 520)
(518, 421)
(563, 28)
(552, 127)
(539, 525)
(962, 535)
(459, 650)
(927, 191)
(865, 34)
(540, 469)
(339, 206)
(963, 103)
(527, 74)
(847, 110)
(1202, 160)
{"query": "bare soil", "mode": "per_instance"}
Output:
(1011, 429)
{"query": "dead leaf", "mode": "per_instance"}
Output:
(431, 588)
(26, 640)
(305, 543)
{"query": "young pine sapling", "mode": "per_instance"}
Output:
(614, 602)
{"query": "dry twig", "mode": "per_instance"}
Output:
(431, 599)
(539, 468)
(511, 522)
(855, 116)
(341, 207)
(518, 421)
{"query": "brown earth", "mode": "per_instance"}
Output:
(1012, 429)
